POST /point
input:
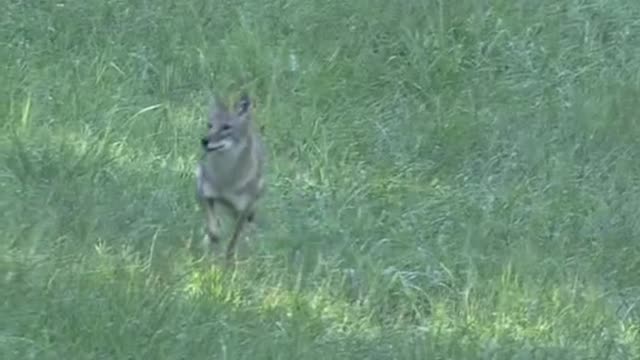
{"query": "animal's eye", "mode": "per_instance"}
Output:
(226, 127)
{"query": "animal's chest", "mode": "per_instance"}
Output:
(222, 187)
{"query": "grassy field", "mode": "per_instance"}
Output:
(447, 180)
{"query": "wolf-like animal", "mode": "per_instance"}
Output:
(232, 169)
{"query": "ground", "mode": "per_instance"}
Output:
(447, 180)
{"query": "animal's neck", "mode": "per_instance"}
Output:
(225, 166)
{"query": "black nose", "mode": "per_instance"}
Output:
(204, 142)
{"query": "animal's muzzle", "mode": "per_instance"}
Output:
(208, 145)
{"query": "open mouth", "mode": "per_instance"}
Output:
(210, 145)
(214, 147)
(220, 145)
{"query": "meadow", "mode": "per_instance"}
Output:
(447, 179)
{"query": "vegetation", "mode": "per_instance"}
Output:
(448, 179)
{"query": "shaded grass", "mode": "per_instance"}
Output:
(446, 181)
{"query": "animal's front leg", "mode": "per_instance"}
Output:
(212, 226)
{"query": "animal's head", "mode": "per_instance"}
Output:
(227, 127)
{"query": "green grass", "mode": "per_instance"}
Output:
(447, 179)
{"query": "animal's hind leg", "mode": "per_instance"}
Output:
(242, 218)
(251, 219)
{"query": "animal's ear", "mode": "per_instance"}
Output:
(243, 105)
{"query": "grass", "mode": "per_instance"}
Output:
(447, 180)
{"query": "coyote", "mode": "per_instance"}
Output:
(231, 171)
